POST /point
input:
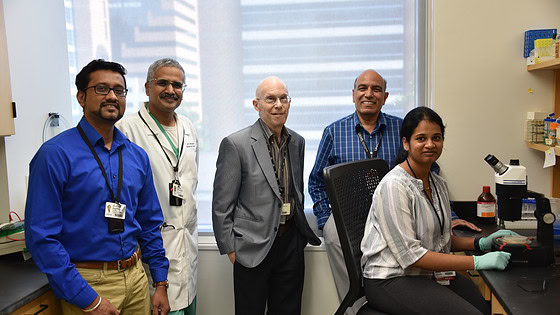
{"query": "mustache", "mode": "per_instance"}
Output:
(165, 95)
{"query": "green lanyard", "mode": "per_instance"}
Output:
(175, 150)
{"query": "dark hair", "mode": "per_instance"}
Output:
(83, 78)
(411, 121)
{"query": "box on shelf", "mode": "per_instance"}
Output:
(534, 127)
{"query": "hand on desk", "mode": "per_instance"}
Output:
(459, 223)
(493, 260)
(485, 243)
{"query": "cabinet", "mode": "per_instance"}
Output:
(46, 304)
(6, 110)
(551, 65)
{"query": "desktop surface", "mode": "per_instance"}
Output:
(520, 288)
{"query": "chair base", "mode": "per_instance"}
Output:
(366, 309)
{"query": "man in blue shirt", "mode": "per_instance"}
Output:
(91, 200)
(366, 133)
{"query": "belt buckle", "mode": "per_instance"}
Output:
(119, 265)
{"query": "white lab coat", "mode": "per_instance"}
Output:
(180, 242)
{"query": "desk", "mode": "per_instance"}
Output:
(505, 288)
(22, 282)
(514, 300)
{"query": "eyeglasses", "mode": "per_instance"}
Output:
(104, 90)
(174, 84)
(284, 99)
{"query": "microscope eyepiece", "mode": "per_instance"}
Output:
(498, 166)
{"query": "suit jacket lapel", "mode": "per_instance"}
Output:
(262, 155)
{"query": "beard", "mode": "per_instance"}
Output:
(110, 116)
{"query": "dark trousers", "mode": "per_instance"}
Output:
(423, 295)
(276, 283)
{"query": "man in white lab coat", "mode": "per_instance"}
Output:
(172, 145)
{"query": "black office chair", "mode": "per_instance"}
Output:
(350, 187)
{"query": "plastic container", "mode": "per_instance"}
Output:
(486, 206)
(531, 35)
(550, 130)
(528, 209)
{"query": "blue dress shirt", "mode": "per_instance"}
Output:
(340, 143)
(64, 214)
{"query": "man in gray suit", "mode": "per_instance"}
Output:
(257, 207)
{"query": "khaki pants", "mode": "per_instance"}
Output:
(127, 290)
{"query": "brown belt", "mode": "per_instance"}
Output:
(118, 265)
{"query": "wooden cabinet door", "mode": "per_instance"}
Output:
(46, 304)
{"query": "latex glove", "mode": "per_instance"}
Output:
(493, 260)
(485, 243)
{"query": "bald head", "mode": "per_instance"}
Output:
(371, 72)
(268, 83)
(273, 103)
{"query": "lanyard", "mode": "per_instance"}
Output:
(363, 141)
(120, 180)
(440, 220)
(283, 167)
(175, 167)
(175, 150)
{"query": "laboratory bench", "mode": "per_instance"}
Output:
(24, 289)
(519, 289)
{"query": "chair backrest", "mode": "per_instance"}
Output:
(350, 187)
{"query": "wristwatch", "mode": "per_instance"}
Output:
(161, 284)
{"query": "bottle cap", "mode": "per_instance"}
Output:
(486, 189)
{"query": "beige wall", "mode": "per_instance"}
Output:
(480, 87)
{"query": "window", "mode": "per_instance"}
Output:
(317, 47)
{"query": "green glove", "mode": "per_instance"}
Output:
(493, 260)
(485, 243)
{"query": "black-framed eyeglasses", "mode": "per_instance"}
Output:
(176, 85)
(271, 99)
(104, 90)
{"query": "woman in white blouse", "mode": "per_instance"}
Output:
(406, 263)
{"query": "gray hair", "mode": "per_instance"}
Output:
(164, 62)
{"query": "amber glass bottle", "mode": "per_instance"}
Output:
(486, 206)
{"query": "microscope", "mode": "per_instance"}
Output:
(511, 188)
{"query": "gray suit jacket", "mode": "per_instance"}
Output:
(246, 199)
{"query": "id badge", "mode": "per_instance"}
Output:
(173, 199)
(178, 190)
(444, 277)
(286, 208)
(115, 210)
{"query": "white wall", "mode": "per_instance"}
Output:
(215, 277)
(480, 88)
(36, 35)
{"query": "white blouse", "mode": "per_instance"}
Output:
(402, 225)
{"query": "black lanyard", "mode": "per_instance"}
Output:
(363, 141)
(119, 185)
(281, 186)
(440, 220)
(176, 167)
